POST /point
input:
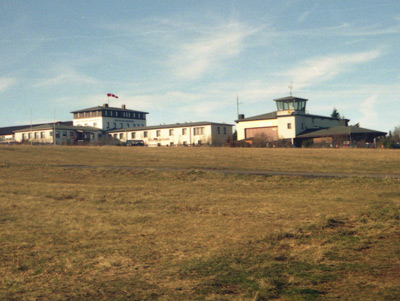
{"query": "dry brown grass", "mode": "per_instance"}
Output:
(322, 160)
(103, 233)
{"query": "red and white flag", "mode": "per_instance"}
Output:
(112, 95)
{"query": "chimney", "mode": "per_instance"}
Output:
(123, 107)
(105, 105)
(241, 116)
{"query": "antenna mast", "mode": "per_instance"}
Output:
(237, 105)
(291, 88)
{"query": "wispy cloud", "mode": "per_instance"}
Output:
(67, 75)
(192, 60)
(319, 69)
(6, 82)
(367, 109)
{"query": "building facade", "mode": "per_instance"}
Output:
(58, 134)
(195, 133)
(109, 118)
(289, 121)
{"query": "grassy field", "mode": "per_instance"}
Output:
(109, 233)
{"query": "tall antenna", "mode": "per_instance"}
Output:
(291, 88)
(237, 105)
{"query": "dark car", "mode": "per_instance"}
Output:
(135, 143)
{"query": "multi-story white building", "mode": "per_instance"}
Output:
(289, 121)
(109, 118)
(195, 133)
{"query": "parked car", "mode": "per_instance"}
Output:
(135, 143)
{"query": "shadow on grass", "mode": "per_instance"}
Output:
(277, 267)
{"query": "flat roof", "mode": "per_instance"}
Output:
(103, 108)
(166, 126)
(290, 98)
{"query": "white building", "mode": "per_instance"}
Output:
(108, 118)
(195, 133)
(289, 121)
(60, 133)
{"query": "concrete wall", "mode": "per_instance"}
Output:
(185, 135)
(241, 126)
(298, 124)
(46, 136)
(109, 122)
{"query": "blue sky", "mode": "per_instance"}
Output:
(188, 60)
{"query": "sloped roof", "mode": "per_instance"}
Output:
(274, 115)
(50, 126)
(11, 129)
(165, 126)
(271, 115)
(102, 108)
(339, 131)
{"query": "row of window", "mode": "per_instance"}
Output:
(290, 105)
(42, 135)
(219, 130)
(121, 125)
(196, 131)
(110, 113)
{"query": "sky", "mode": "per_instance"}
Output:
(187, 61)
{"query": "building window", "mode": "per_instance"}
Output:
(302, 126)
(23, 136)
(171, 132)
(64, 134)
(198, 131)
(105, 113)
(225, 130)
(51, 134)
(71, 134)
(218, 130)
(121, 136)
(121, 125)
(133, 135)
(184, 131)
(57, 134)
(42, 135)
(108, 125)
(289, 125)
(35, 135)
(158, 133)
(145, 134)
(127, 125)
(115, 136)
